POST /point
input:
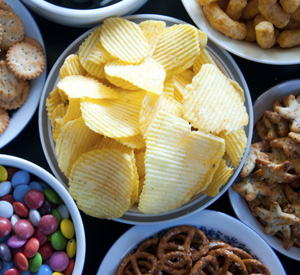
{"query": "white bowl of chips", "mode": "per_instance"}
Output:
(139, 115)
(287, 204)
(242, 48)
(82, 13)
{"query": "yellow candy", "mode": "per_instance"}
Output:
(3, 174)
(71, 248)
(57, 273)
(67, 228)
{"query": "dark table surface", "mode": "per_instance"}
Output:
(101, 234)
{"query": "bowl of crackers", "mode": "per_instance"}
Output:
(82, 13)
(122, 128)
(266, 195)
(262, 31)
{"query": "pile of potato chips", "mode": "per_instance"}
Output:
(142, 115)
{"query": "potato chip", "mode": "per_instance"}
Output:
(178, 162)
(147, 75)
(52, 101)
(115, 118)
(151, 105)
(152, 30)
(102, 182)
(72, 111)
(58, 113)
(169, 85)
(110, 143)
(124, 40)
(177, 48)
(181, 80)
(71, 66)
(74, 139)
(221, 176)
(202, 36)
(238, 88)
(236, 143)
(134, 142)
(203, 58)
(211, 103)
(140, 163)
(78, 86)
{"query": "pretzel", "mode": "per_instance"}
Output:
(256, 267)
(175, 262)
(239, 252)
(166, 244)
(215, 244)
(137, 262)
(209, 263)
(149, 246)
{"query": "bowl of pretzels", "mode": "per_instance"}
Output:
(266, 195)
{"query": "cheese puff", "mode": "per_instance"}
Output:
(235, 8)
(289, 38)
(290, 6)
(250, 10)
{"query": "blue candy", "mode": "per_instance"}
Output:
(20, 192)
(20, 177)
(36, 185)
(44, 270)
(6, 266)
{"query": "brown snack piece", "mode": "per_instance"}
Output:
(289, 146)
(26, 60)
(149, 246)
(261, 129)
(4, 120)
(208, 262)
(271, 128)
(277, 155)
(13, 29)
(294, 136)
(5, 6)
(256, 267)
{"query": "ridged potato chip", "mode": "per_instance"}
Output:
(147, 75)
(178, 162)
(212, 104)
(74, 139)
(102, 182)
(177, 48)
(52, 101)
(181, 80)
(124, 40)
(71, 66)
(116, 118)
(169, 86)
(203, 58)
(134, 142)
(110, 143)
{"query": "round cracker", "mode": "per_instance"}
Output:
(5, 6)
(4, 120)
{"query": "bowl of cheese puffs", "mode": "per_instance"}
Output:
(144, 121)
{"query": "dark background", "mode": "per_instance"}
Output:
(101, 234)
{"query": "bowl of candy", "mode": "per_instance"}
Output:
(41, 230)
(82, 13)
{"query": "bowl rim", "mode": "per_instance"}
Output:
(41, 173)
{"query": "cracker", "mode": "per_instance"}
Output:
(5, 6)
(4, 120)
(13, 29)
(26, 60)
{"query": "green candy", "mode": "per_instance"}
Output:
(58, 241)
(56, 214)
(35, 262)
(51, 196)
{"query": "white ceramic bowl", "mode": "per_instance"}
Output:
(244, 49)
(264, 102)
(213, 224)
(133, 216)
(11, 161)
(81, 17)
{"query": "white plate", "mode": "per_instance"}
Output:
(214, 224)
(133, 216)
(22, 116)
(241, 209)
(244, 49)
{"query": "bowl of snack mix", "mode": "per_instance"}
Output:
(41, 229)
(127, 142)
(262, 31)
(266, 195)
(201, 243)
(82, 13)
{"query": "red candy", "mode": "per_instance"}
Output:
(31, 247)
(21, 262)
(42, 238)
(34, 199)
(23, 229)
(69, 269)
(46, 250)
(10, 172)
(5, 227)
(20, 209)
(12, 271)
(48, 224)
(8, 197)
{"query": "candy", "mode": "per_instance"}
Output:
(21, 262)
(59, 261)
(15, 242)
(62, 209)
(31, 247)
(3, 174)
(69, 269)
(46, 250)
(67, 228)
(5, 227)
(20, 177)
(34, 216)
(6, 209)
(58, 241)
(12, 271)
(36, 185)
(35, 262)
(55, 213)
(5, 252)
(48, 224)
(20, 192)
(20, 209)
(44, 270)
(23, 229)
(51, 196)
(34, 199)
(5, 188)
(14, 218)
(71, 248)
(45, 208)
(40, 236)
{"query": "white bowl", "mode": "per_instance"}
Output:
(244, 49)
(213, 224)
(133, 216)
(46, 177)
(81, 17)
(241, 209)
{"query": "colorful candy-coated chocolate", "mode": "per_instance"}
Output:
(48, 224)
(34, 216)
(5, 227)
(15, 242)
(34, 199)
(5, 188)
(71, 248)
(45, 208)
(58, 241)
(3, 173)
(6, 209)
(59, 261)
(21, 262)
(20, 209)
(35, 262)
(14, 218)
(10, 172)
(46, 250)
(63, 210)
(20, 191)
(5, 252)
(8, 197)
(23, 229)
(40, 236)
(57, 273)
(44, 270)
(31, 247)
(20, 177)
(70, 267)
(55, 213)
(12, 271)
(51, 196)
(67, 228)
(36, 185)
